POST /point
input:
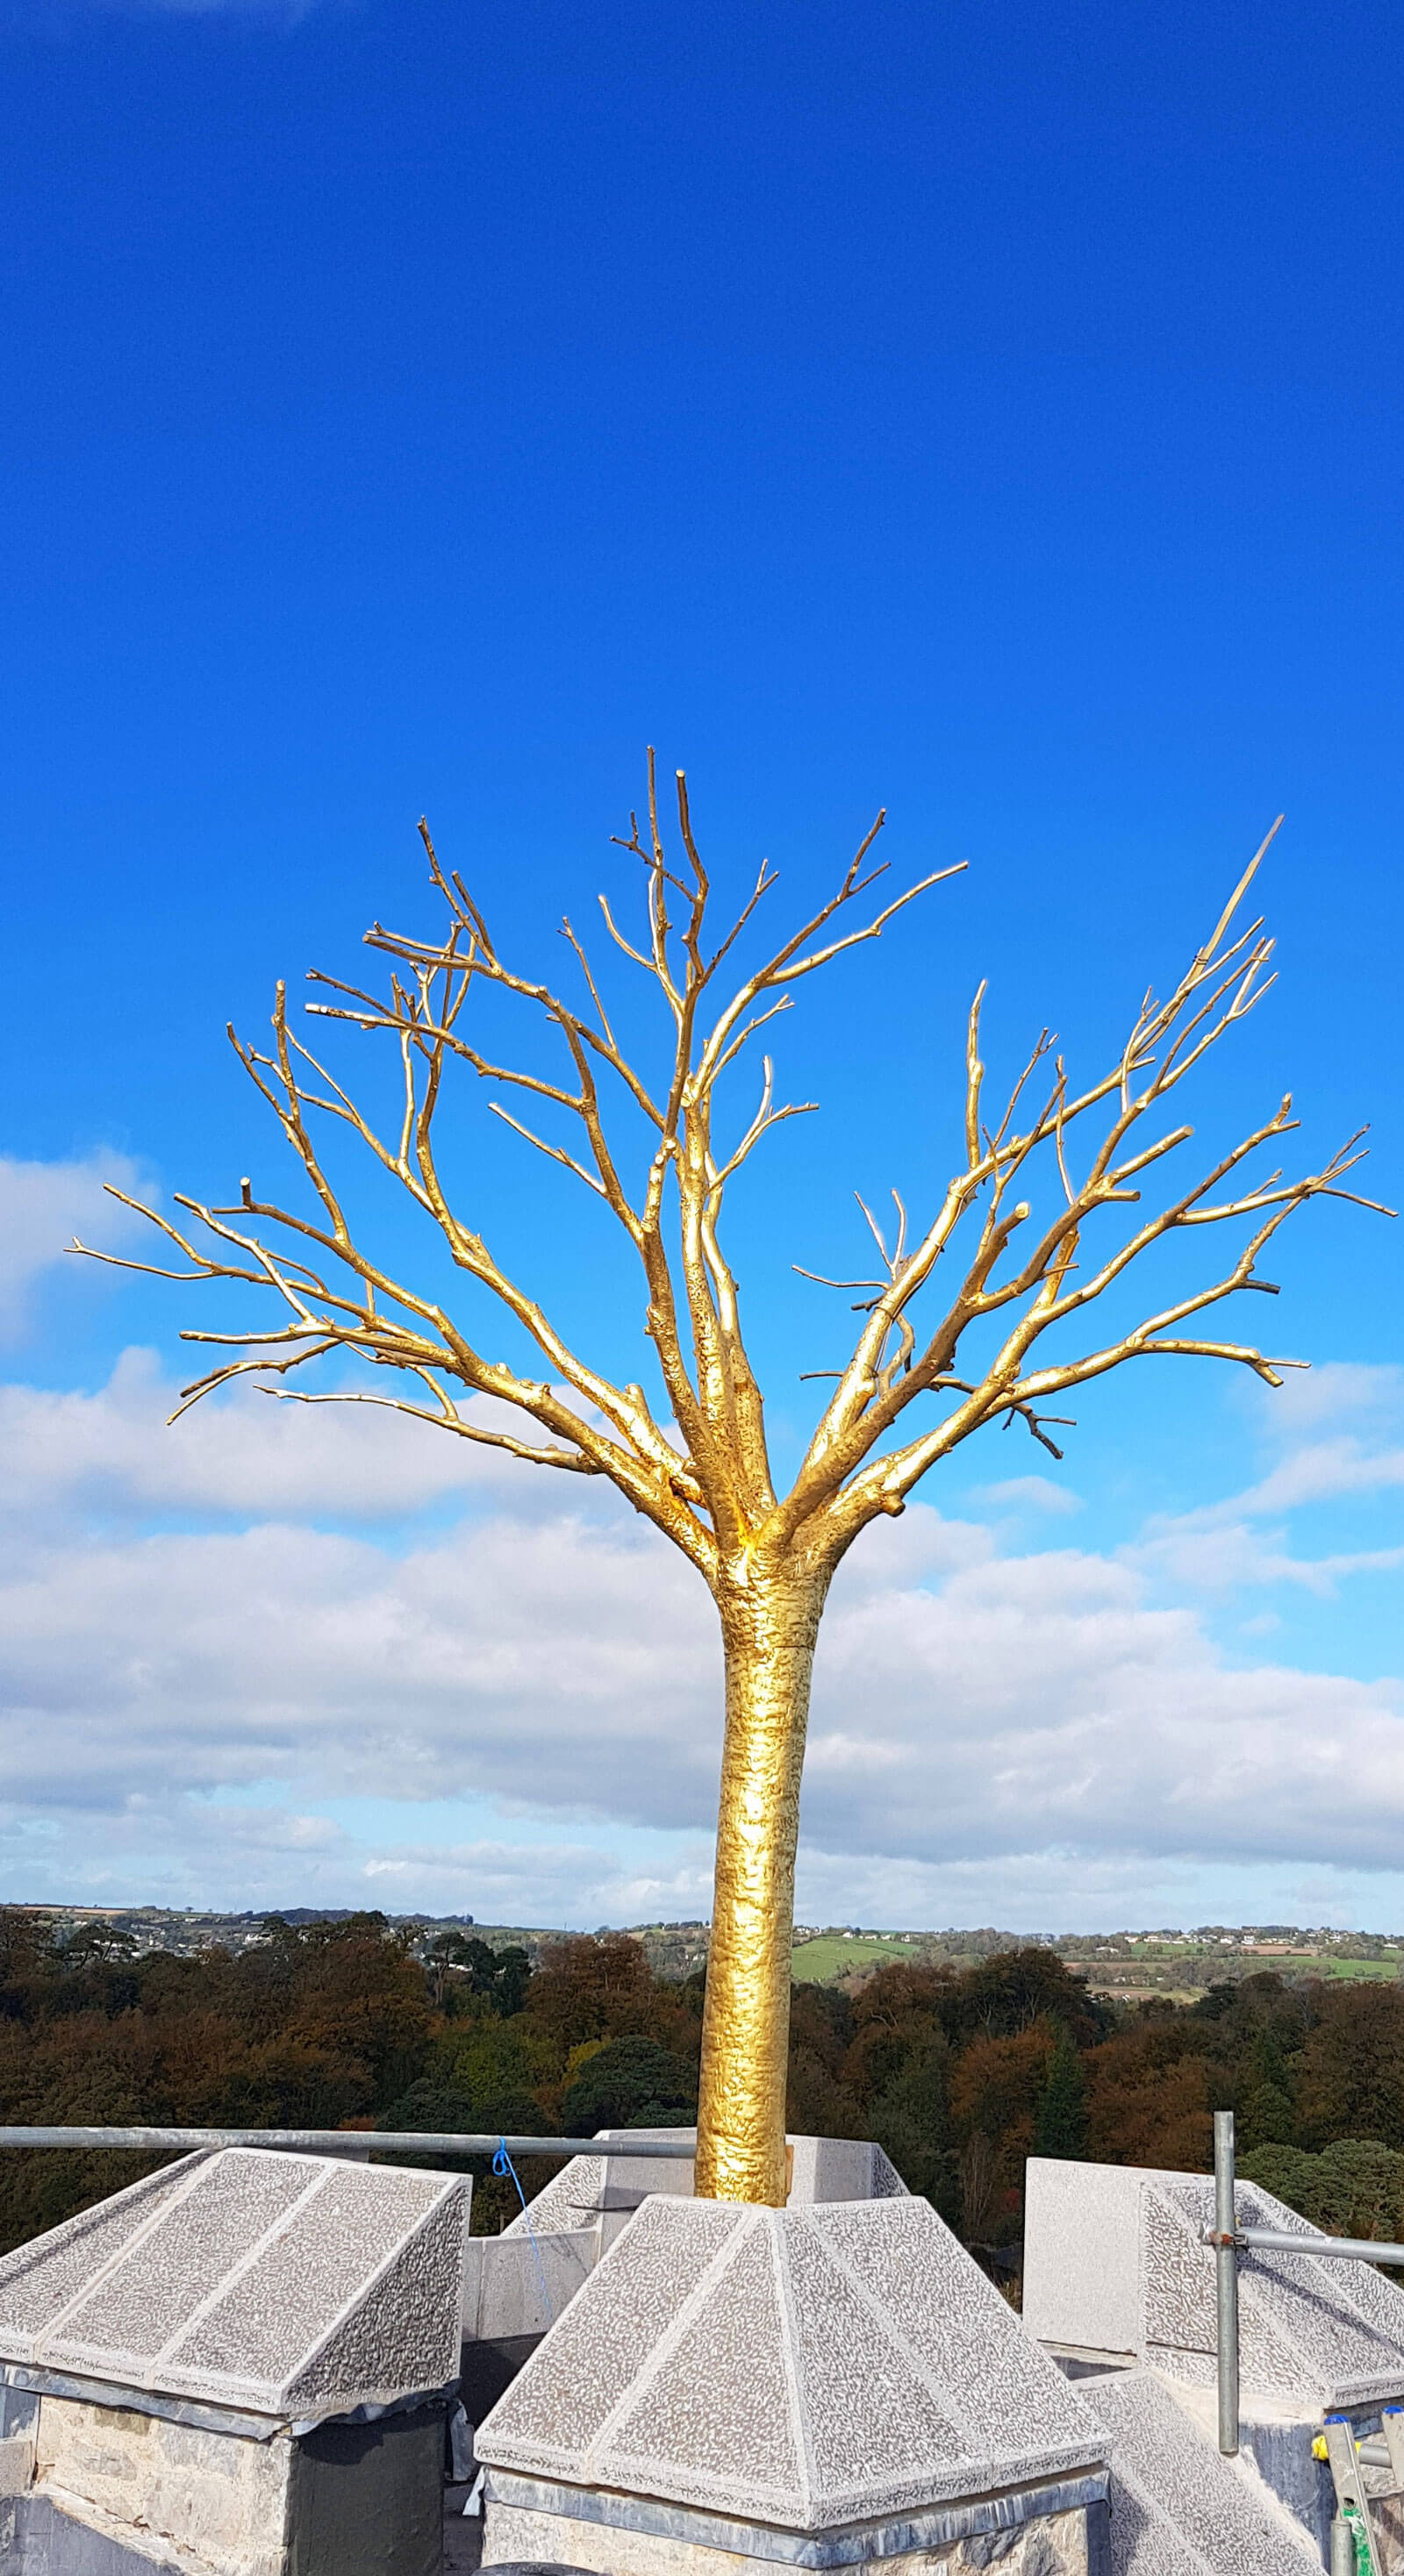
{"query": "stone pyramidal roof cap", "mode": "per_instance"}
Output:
(286, 2285)
(805, 2367)
(1113, 2261)
(1331, 2330)
(1177, 2507)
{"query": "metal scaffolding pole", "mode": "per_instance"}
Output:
(1337, 2249)
(354, 2142)
(1226, 2283)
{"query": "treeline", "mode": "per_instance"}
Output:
(960, 2073)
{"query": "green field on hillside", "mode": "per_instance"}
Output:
(818, 1963)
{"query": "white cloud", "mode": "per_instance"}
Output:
(1338, 1430)
(540, 1665)
(1042, 1701)
(1333, 1392)
(243, 1454)
(1320, 1470)
(42, 1207)
(539, 1883)
(964, 1704)
(1228, 1556)
(1028, 1494)
(1338, 1434)
(1056, 1889)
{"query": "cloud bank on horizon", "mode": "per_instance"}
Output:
(277, 1655)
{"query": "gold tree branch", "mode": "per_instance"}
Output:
(869, 1395)
(715, 1496)
(656, 1479)
(554, 1153)
(447, 1418)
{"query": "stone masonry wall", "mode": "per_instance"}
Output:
(1053, 2546)
(217, 2502)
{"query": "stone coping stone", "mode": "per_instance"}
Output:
(592, 2187)
(282, 2285)
(800, 2367)
(515, 2286)
(986, 2524)
(1113, 2264)
(1177, 2507)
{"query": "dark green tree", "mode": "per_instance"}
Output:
(630, 2083)
(1016, 1988)
(1060, 2121)
(910, 2122)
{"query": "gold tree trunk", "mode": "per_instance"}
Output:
(769, 1627)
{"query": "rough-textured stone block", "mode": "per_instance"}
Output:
(16, 2462)
(611, 2188)
(19, 2423)
(804, 2367)
(519, 2285)
(1113, 2264)
(841, 2169)
(279, 2285)
(1082, 2255)
(1176, 2507)
(44, 2277)
(590, 2186)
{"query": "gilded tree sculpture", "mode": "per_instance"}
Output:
(697, 1465)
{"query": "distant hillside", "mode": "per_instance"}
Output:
(1132, 1966)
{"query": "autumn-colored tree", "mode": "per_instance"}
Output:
(632, 2082)
(910, 2119)
(1017, 1989)
(1149, 2110)
(1351, 2079)
(820, 2102)
(592, 1989)
(336, 2022)
(1354, 2187)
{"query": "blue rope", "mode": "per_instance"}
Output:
(502, 2164)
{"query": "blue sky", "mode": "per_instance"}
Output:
(990, 414)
